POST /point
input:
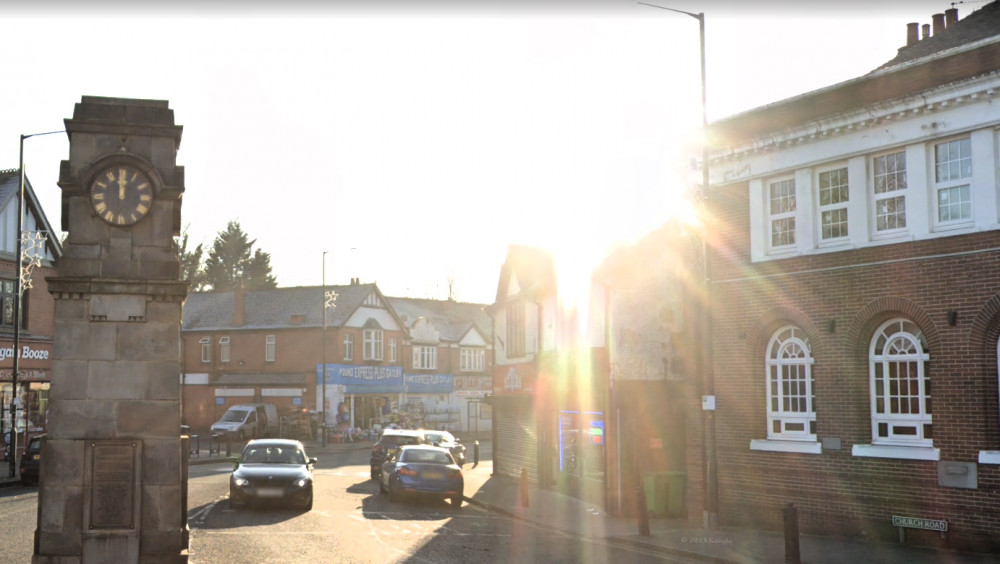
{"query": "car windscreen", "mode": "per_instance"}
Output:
(271, 454)
(234, 416)
(401, 440)
(426, 456)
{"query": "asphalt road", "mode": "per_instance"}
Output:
(350, 522)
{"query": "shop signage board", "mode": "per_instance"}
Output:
(384, 380)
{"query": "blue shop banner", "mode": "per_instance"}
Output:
(429, 383)
(363, 379)
(384, 380)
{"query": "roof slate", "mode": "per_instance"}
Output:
(452, 319)
(273, 308)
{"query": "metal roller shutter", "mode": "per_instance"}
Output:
(516, 441)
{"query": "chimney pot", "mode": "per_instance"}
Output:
(912, 33)
(950, 17)
(938, 21)
(926, 28)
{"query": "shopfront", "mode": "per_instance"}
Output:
(32, 399)
(581, 445)
(372, 397)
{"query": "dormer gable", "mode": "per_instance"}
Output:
(473, 338)
(424, 332)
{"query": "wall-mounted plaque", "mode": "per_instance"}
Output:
(112, 487)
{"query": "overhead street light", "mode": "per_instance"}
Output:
(708, 377)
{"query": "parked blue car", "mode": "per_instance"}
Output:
(422, 470)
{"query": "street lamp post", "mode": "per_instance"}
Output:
(23, 280)
(322, 389)
(708, 376)
(329, 302)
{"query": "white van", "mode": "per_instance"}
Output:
(249, 420)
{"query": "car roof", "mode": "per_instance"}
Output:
(402, 433)
(287, 443)
(423, 447)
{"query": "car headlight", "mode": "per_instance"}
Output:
(241, 482)
(303, 482)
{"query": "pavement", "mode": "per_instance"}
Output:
(673, 537)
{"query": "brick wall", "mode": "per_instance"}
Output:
(839, 299)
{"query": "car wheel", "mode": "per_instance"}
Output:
(381, 487)
(393, 495)
(309, 504)
(456, 501)
(242, 435)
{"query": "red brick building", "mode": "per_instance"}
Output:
(856, 292)
(267, 346)
(37, 308)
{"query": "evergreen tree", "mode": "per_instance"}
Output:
(233, 261)
(191, 270)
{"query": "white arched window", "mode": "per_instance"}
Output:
(900, 386)
(791, 403)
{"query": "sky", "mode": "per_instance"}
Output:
(410, 143)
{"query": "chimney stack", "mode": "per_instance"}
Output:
(938, 21)
(239, 305)
(950, 17)
(926, 31)
(912, 33)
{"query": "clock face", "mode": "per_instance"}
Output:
(121, 195)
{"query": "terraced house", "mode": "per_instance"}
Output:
(856, 272)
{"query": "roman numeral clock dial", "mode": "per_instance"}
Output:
(121, 195)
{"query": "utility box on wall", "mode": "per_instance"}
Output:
(957, 475)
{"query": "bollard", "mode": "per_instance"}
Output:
(642, 513)
(791, 515)
(524, 487)
(475, 454)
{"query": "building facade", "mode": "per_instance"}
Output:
(271, 346)
(549, 382)
(37, 313)
(650, 299)
(856, 284)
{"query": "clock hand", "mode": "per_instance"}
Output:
(121, 183)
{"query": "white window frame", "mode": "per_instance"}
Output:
(372, 348)
(790, 393)
(992, 456)
(888, 181)
(392, 349)
(224, 350)
(424, 357)
(348, 346)
(206, 349)
(472, 360)
(899, 344)
(270, 342)
(958, 176)
(841, 206)
(786, 212)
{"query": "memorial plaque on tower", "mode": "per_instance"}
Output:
(114, 485)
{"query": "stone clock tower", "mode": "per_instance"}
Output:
(114, 480)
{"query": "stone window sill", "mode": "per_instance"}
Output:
(900, 452)
(804, 447)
